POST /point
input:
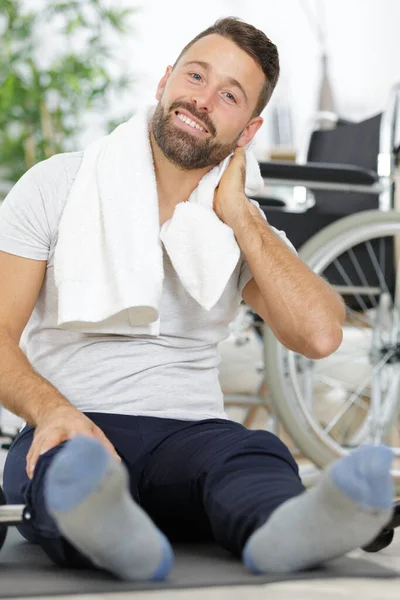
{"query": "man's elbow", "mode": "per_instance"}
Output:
(324, 343)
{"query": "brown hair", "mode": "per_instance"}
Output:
(255, 43)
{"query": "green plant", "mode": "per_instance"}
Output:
(42, 108)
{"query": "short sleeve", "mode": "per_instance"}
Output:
(245, 273)
(24, 228)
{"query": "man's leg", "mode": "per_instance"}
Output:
(255, 502)
(351, 503)
(84, 514)
(256, 481)
(215, 479)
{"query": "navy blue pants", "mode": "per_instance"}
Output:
(198, 480)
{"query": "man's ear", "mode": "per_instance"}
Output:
(250, 131)
(163, 82)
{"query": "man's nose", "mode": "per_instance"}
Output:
(203, 100)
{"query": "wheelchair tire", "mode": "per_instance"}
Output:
(382, 541)
(3, 528)
(306, 434)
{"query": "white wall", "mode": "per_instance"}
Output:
(362, 36)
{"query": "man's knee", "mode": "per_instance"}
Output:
(18, 487)
(259, 446)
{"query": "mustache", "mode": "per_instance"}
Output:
(203, 117)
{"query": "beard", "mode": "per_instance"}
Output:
(185, 150)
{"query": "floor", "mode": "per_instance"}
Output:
(329, 589)
(239, 374)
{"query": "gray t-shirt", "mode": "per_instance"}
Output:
(174, 375)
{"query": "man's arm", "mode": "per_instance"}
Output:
(303, 311)
(23, 391)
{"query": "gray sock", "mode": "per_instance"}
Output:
(348, 507)
(87, 493)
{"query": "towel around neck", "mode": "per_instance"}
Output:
(108, 257)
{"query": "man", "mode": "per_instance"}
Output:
(127, 445)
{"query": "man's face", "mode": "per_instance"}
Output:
(206, 102)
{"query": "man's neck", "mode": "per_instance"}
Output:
(174, 185)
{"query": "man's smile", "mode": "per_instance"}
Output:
(187, 122)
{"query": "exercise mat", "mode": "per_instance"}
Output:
(26, 571)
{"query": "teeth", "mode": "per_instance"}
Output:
(186, 119)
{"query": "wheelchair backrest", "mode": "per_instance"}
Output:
(348, 144)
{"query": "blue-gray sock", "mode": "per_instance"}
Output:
(348, 507)
(87, 493)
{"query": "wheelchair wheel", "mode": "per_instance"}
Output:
(333, 405)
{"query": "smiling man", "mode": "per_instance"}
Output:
(127, 445)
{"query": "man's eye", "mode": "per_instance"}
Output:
(195, 76)
(230, 96)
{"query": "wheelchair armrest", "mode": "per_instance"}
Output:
(270, 202)
(318, 173)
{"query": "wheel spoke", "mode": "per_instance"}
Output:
(361, 274)
(377, 267)
(347, 426)
(348, 281)
(359, 389)
(344, 385)
(358, 316)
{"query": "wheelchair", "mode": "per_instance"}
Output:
(339, 215)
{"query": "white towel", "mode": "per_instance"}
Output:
(108, 258)
(203, 249)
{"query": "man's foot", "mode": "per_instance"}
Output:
(351, 503)
(87, 493)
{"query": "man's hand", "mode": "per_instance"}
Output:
(59, 425)
(230, 201)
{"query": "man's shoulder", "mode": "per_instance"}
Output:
(57, 166)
